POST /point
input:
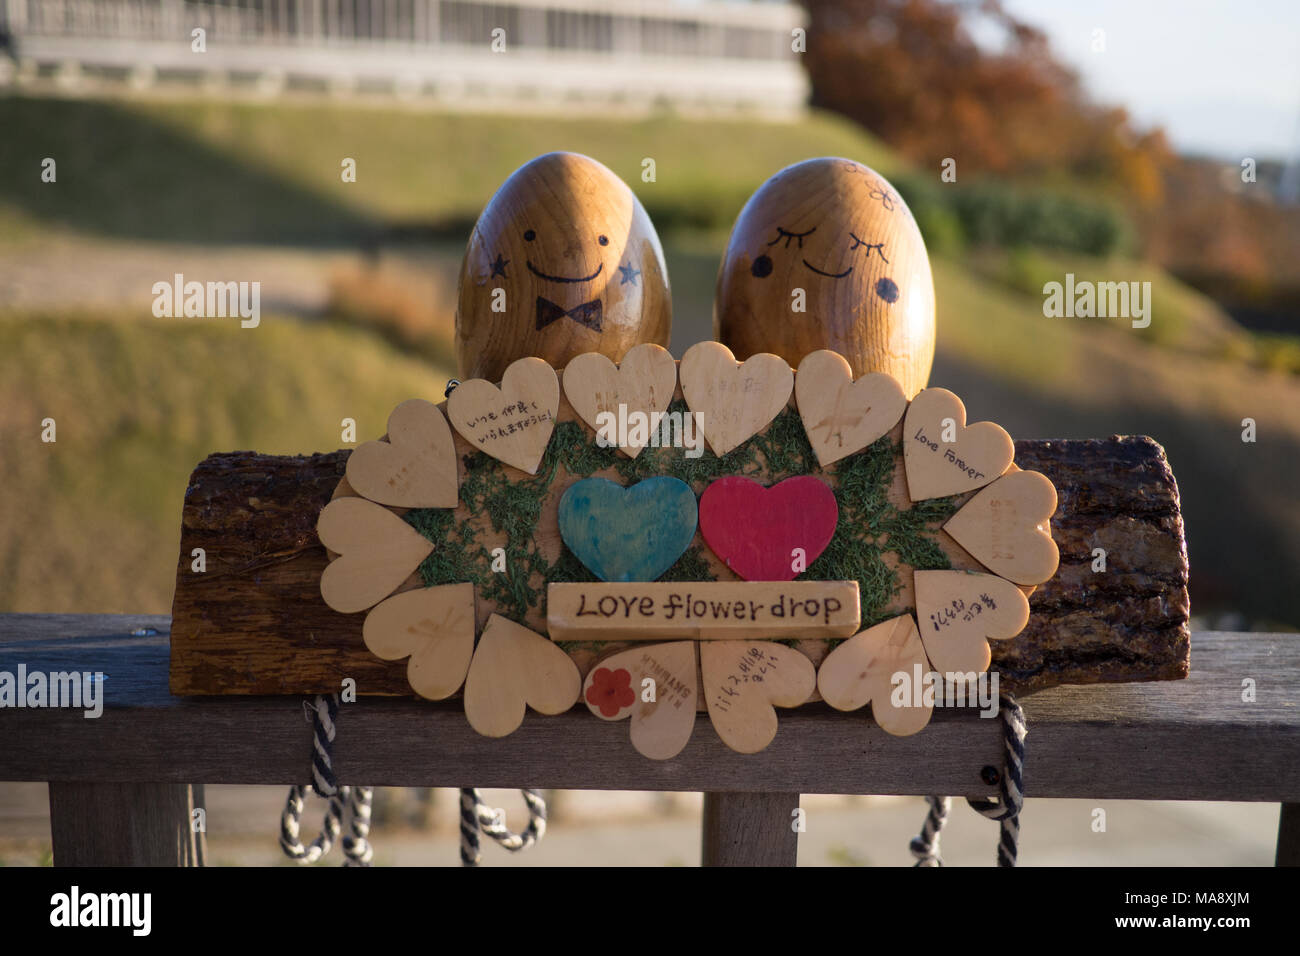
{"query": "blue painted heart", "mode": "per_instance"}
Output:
(628, 534)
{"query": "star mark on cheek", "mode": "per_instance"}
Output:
(499, 267)
(628, 274)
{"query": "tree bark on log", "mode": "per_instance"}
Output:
(254, 623)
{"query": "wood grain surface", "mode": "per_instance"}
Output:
(125, 824)
(705, 610)
(662, 721)
(826, 255)
(563, 260)
(750, 829)
(255, 622)
(1185, 740)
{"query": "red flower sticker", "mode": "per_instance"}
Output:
(611, 691)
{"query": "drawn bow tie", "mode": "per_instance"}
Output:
(588, 314)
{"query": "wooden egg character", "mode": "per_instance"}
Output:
(563, 260)
(838, 231)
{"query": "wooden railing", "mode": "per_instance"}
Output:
(122, 786)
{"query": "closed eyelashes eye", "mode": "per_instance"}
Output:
(787, 235)
(859, 243)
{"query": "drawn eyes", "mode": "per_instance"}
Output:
(762, 266)
(787, 235)
(531, 234)
(860, 243)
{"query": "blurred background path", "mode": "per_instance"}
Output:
(592, 828)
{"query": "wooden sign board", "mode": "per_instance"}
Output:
(702, 610)
(254, 621)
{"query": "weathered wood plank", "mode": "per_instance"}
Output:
(255, 623)
(750, 829)
(1192, 740)
(124, 824)
(1129, 622)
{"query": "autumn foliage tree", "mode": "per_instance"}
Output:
(912, 72)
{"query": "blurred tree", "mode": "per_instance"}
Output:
(912, 72)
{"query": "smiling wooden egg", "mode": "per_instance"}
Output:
(563, 260)
(825, 255)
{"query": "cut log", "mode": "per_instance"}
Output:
(254, 622)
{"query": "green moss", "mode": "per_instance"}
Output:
(869, 526)
(572, 647)
(909, 535)
(785, 446)
(862, 484)
(854, 556)
(580, 456)
(696, 472)
(691, 566)
(569, 568)
(455, 559)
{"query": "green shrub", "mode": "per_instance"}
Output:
(1278, 353)
(992, 213)
(708, 206)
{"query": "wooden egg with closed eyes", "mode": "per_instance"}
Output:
(563, 260)
(825, 255)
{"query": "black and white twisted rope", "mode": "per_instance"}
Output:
(291, 824)
(925, 846)
(476, 816)
(357, 850)
(322, 713)
(354, 802)
(469, 852)
(1005, 808)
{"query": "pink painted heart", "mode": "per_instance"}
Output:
(768, 534)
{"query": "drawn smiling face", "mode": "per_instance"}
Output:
(762, 266)
(562, 261)
(531, 234)
(826, 255)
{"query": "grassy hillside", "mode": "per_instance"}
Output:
(91, 522)
(207, 171)
(1181, 318)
